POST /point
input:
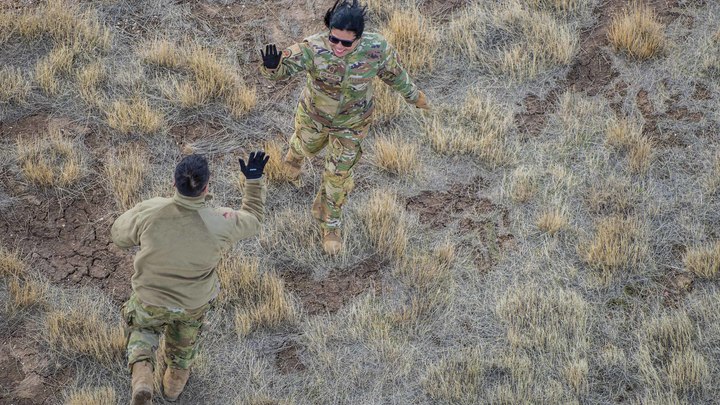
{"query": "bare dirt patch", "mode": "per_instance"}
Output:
(331, 293)
(287, 358)
(482, 225)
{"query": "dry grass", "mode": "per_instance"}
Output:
(395, 155)
(542, 42)
(703, 261)
(386, 223)
(688, 370)
(458, 378)
(637, 31)
(14, 88)
(89, 79)
(388, 103)
(83, 331)
(53, 161)
(163, 53)
(553, 221)
(523, 185)
(125, 171)
(11, 265)
(414, 37)
(240, 100)
(627, 136)
(274, 170)
(612, 195)
(134, 116)
(561, 6)
(27, 293)
(92, 396)
(58, 62)
(552, 320)
(468, 30)
(618, 244)
(480, 126)
(260, 299)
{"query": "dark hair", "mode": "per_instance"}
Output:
(192, 175)
(346, 15)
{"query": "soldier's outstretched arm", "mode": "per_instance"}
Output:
(394, 75)
(248, 219)
(281, 65)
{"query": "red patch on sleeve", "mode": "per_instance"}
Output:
(228, 215)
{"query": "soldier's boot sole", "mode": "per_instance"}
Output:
(174, 381)
(332, 242)
(142, 383)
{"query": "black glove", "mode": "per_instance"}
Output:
(255, 166)
(271, 57)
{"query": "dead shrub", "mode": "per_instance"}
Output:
(396, 156)
(618, 243)
(83, 331)
(703, 261)
(386, 223)
(14, 88)
(414, 37)
(92, 396)
(53, 161)
(637, 31)
(134, 116)
(125, 170)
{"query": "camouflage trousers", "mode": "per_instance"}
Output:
(344, 151)
(145, 324)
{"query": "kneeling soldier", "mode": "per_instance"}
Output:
(181, 240)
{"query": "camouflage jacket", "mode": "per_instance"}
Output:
(339, 91)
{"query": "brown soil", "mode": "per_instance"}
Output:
(482, 225)
(331, 293)
(287, 359)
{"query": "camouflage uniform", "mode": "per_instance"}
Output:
(145, 323)
(336, 106)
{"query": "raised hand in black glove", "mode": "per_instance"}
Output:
(255, 165)
(271, 57)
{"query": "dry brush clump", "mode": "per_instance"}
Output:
(212, 79)
(84, 331)
(396, 156)
(27, 292)
(125, 171)
(260, 300)
(89, 79)
(553, 220)
(414, 37)
(11, 264)
(387, 223)
(55, 160)
(637, 31)
(481, 126)
(618, 244)
(92, 396)
(703, 261)
(135, 115)
(388, 103)
(14, 87)
(523, 185)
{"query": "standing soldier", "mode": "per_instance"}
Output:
(336, 105)
(181, 240)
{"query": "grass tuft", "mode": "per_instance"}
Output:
(627, 136)
(53, 161)
(125, 171)
(553, 221)
(26, 293)
(703, 261)
(618, 244)
(396, 156)
(414, 37)
(637, 32)
(260, 300)
(386, 223)
(14, 88)
(134, 116)
(11, 265)
(89, 79)
(83, 331)
(92, 396)
(523, 186)
(163, 53)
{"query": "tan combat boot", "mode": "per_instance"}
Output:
(142, 383)
(332, 242)
(173, 382)
(293, 166)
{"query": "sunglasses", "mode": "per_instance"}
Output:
(336, 40)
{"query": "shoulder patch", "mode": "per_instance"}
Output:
(291, 50)
(228, 214)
